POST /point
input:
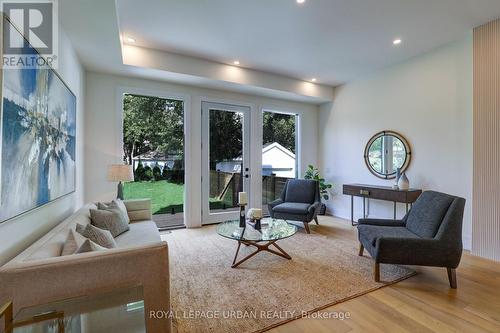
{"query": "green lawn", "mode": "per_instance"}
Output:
(163, 194)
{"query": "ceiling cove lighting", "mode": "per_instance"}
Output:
(397, 41)
(236, 62)
(130, 40)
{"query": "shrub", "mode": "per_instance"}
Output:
(164, 172)
(177, 176)
(139, 172)
(156, 172)
(178, 164)
(148, 173)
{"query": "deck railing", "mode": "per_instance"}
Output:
(224, 186)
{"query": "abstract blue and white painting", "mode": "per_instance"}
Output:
(38, 128)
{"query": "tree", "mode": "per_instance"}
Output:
(226, 131)
(280, 128)
(152, 124)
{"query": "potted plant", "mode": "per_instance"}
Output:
(313, 173)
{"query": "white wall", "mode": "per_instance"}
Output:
(429, 101)
(18, 233)
(103, 127)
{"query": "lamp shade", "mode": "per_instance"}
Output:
(120, 173)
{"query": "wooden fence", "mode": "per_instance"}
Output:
(224, 186)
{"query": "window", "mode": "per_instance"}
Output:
(279, 153)
(153, 143)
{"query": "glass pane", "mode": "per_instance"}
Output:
(278, 154)
(225, 159)
(375, 155)
(153, 142)
(399, 154)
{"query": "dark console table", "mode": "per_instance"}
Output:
(386, 193)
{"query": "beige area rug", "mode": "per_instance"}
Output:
(265, 291)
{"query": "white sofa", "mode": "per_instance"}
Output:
(40, 274)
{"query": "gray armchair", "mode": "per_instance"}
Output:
(429, 235)
(300, 201)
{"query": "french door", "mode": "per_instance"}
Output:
(225, 160)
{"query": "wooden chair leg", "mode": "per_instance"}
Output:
(376, 272)
(316, 220)
(452, 277)
(306, 227)
(361, 250)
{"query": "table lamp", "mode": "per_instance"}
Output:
(120, 173)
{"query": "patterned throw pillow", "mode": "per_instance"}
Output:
(89, 246)
(76, 243)
(73, 242)
(121, 206)
(116, 204)
(109, 219)
(99, 236)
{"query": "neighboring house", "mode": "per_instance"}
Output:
(154, 157)
(276, 160)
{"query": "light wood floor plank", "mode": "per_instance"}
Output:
(451, 306)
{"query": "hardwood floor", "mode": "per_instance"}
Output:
(423, 303)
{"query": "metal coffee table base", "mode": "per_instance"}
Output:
(260, 247)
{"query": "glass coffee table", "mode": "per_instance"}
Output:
(272, 231)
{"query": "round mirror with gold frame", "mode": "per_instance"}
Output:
(385, 152)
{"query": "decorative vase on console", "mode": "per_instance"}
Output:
(403, 182)
(398, 174)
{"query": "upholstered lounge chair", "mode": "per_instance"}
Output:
(429, 235)
(300, 201)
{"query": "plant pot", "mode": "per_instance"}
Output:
(322, 209)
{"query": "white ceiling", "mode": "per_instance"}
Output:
(92, 27)
(333, 40)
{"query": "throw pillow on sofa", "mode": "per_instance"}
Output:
(116, 204)
(76, 243)
(99, 236)
(73, 242)
(89, 246)
(109, 219)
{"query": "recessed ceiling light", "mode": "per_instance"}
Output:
(236, 62)
(130, 40)
(397, 41)
(301, 1)
(313, 79)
